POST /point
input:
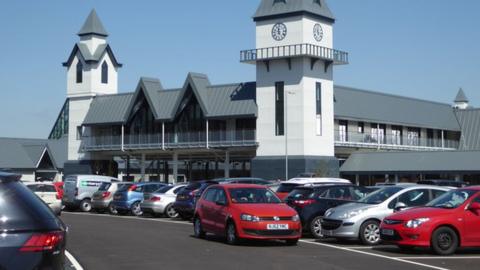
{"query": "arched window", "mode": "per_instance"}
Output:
(79, 72)
(105, 72)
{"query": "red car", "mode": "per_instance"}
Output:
(243, 211)
(445, 224)
(59, 189)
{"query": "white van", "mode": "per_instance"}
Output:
(79, 189)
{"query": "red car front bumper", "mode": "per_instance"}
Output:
(260, 230)
(400, 235)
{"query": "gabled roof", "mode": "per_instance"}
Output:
(461, 97)
(108, 109)
(20, 153)
(93, 26)
(89, 57)
(198, 83)
(368, 106)
(469, 120)
(271, 9)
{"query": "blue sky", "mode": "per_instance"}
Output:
(425, 49)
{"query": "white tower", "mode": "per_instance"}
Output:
(294, 59)
(92, 70)
(461, 100)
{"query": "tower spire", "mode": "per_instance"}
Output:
(93, 26)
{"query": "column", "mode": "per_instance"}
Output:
(175, 167)
(227, 164)
(142, 168)
(443, 139)
(128, 167)
(357, 179)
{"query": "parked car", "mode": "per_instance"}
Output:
(48, 194)
(240, 211)
(127, 199)
(243, 180)
(443, 183)
(311, 202)
(161, 201)
(361, 220)
(103, 197)
(59, 188)
(287, 186)
(186, 199)
(79, 189)
(32, 236)
(445, 224)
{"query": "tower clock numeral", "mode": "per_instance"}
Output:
(279, 31)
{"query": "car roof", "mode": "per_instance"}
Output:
(476, 188)
(38, 183)
(298, 180)
(232, 186)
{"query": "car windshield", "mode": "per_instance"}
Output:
(300, 193)
(164, 189)
(380, 195)
(452, 199)
(286, 188)
(104, 186)
(124, 187)
(253, 196)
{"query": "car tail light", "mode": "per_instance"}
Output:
(42, 242)
(193, 193)
(155, 199)
(58, 196)
(303, 203)
(105, 194)
(132, 188)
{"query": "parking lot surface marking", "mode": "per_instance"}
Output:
(73, 261)
(440, 258)
(373, 254)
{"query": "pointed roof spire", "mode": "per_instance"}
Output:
(93, 26)
(461, 97)
(270, 9)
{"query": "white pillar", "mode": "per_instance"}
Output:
(357, 180)
(163, 136)
(226, 165)
(142, 168)
(443, 139)
(123, 138)
(207, 134)
(175, 167)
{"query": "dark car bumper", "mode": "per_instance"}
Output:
(184, 208)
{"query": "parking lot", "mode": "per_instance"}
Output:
(124, 242)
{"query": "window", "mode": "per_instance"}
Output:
(378, 133)
(396, 135)
(279, 109)
(105, 72)
(338, 193)
(361, 127)
(221, 196)
(413, 136)
(318, 107)
(79, 133)
(79, 72)
(412, 198)
(343, 131)
(210, 195)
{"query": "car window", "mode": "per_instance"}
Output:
(151, 188)
(476, 200)
(452, 199)
(48, 188)
(338, 193)
(220, 196)
(412, 198)
(178, 189)
(286, 188)
(359, 193)
(139, 189)
(437, 193)
(104, 186)
(34, 188)
(164, 189)
(300, 193)
(210, 194)
(253, 196)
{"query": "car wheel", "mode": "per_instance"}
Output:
(197, 228)
(86, 205)
(316, 227)
(170, 211)
(112, 210)
(231, 234)
(370, 233)
(444, 241)
(135, 209)
(291, 242)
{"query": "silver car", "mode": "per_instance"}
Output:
(102, 199)
(361, 220)
(161, 201)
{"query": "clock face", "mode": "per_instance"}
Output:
(279, 31)
(318, 32)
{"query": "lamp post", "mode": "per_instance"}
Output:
(286, 131)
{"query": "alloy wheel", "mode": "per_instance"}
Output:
(136, 210)
(444, 241)
(372, 233)
(316, 227)
(171, 213)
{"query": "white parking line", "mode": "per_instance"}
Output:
(134, 218)
(374, 255)
(73, 261)
(440, 258)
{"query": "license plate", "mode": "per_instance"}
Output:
(277, 226)
(327, 233)
(388, 232)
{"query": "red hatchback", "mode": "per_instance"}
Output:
(445, 224)
(241, 211)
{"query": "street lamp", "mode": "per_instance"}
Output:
(286, 131)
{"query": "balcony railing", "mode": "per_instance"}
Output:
(297, 50)
(186, 140)
(392, 142)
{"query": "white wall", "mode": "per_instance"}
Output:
(78, 107)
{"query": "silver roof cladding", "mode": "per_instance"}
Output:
(469, 120)
(271, 8)
(18, 153)
(93, 25)
(108, 109)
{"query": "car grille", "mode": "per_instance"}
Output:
(271, 232)
(331, 224)
(273, 218)
(394, 237)
(392, 222)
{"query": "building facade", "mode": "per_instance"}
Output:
(291, 119)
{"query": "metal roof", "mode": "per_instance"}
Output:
(411, 162)
(108, 109)
(232, 100)
(18, 153)
(93, 25)
(469, 120)
(270, 9)
(89, 57)
(461, 97)
(362, 105)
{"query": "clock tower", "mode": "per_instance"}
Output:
(294, 58)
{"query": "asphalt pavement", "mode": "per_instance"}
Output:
(111, 242)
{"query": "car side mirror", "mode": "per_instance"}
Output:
(221, 203)
(474, 207)
(399, 207)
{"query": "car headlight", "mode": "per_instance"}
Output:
(415, 223)
(328, 213)
(295, 218)
(251, 218)
(351, 214)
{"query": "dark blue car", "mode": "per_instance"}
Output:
(128, 198)
(187, 198)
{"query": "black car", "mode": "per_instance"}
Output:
(187, 198)
(32, 236)
(311, 202)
